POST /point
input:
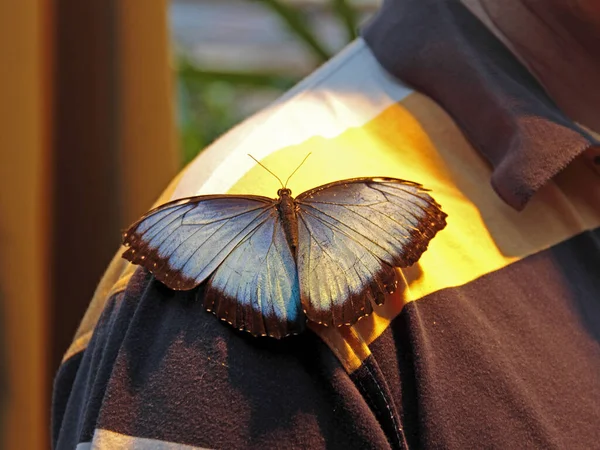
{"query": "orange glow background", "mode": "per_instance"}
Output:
(87, 142)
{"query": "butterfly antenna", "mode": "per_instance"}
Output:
(261, 165)
(286, 181)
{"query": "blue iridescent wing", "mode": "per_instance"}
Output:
(184, 241)
(351, 235)
(235, 242)
(256, 287)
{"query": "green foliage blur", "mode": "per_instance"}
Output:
(209, 100)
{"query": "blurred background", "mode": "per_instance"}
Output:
(102, 102)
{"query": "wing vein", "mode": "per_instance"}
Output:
(344, 232)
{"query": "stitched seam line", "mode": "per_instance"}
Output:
(387, 405)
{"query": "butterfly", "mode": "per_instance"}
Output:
(270, 264)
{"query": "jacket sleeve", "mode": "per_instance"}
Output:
(159, 369)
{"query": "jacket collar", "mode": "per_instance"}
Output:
(445, 52)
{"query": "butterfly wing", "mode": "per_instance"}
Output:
(256, 287)
(351, 235)
(237, 242)
(184, 241)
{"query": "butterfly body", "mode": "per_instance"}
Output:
(287, 213)
(269, 264)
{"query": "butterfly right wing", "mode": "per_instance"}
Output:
(183, 242)
(351, 235)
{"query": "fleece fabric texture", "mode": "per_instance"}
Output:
(159, 366)
(510, 360)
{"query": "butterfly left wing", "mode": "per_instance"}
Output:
(183, 242)
(351, 235)
(238, 244)
(256, 288)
